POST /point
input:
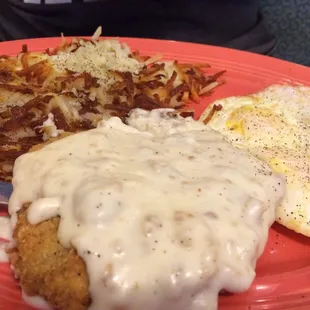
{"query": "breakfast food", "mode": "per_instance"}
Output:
(73, 86)
(161, 213)
(274, 126)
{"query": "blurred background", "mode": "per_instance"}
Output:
(289, 22)
(286, 20)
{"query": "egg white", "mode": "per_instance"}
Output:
(274, 125)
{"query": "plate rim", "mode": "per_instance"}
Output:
(233, 55)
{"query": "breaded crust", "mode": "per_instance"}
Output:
(45, 268)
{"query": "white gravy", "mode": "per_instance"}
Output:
(36, 302)
(5, 235)
(3, 256)
(5, 228)
(164, 212)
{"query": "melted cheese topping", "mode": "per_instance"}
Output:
(164, 212)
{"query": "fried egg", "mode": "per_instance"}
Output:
(274, 125)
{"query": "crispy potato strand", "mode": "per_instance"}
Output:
(77, 101)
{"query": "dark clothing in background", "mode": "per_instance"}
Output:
(232, 23)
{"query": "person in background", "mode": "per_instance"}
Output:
(235, 24)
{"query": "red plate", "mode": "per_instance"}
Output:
(283, 272)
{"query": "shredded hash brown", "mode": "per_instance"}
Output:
(31, 89)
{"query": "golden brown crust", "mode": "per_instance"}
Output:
(44, 267)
